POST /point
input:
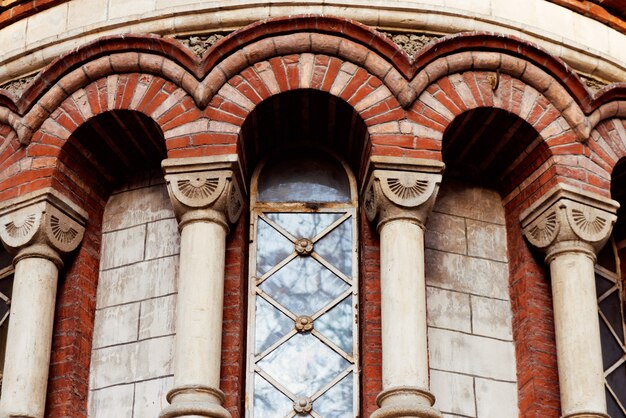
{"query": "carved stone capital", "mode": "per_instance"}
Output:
(41, 224)
(569, 220)
(401, 188)
(206, 189)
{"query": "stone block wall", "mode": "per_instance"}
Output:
(472, 356)
(131, 365)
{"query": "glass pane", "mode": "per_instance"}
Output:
(304, 225)
(303, 364)
(337, 402)
(272, 247)
(271, 325)
(336, 325)
(611, 351)
(6, 290)
(612, 308)
(269, 402)
(336, 247)
(6, 259)
(304, 286)
(617, 382)
(602, 285)
(6, 287)
(612, 408)
(304, 179)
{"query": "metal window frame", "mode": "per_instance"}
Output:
(257, 210)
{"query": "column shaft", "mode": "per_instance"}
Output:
(29, 339)
(199, 313)
(579, 351)
(403, 289)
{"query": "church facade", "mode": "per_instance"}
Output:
(312, 209)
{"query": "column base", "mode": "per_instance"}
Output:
(406, 402)
(195, 401)
(586, 414)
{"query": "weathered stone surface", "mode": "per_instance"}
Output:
(113, 365)
(154, 358)
(122, 247)
(496, 399)
(467, 274)
(446, 233)
(139, 281)
(150, 397)
(162, 238)
(115, 401)
(486, 240)
(129, 209)
(470, 354)
(491, 318)
(456, 198)
(449, 310)
(116, 325)
(157, 317)
(455, 392)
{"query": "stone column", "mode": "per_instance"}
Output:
(39, 228)
(399, 196)
(571, 226)
(206, 196)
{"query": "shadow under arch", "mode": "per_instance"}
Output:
(98, 156)
(304, 118)
(488, 153)
(111, 148)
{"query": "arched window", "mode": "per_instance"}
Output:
(609, 288)
(302, 339)
(6, 290)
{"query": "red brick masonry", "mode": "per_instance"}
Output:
(200, 106)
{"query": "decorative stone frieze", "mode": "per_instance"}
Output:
(571, 226)
(569, 220)
(205, 189)
(39, 229)
(399, 195)
(206, 196)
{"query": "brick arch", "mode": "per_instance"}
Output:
(45, 161)
(389, 132)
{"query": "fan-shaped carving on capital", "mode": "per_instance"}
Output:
(408, 189)
(198, 189)
(19, 227)
(543, 230)
(62, 231)
(589, 223)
